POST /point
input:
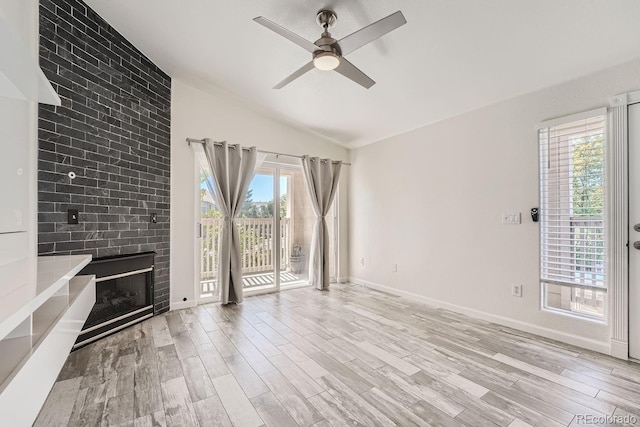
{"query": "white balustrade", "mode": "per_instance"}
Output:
(256, 245)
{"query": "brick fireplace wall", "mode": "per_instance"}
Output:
(113, 132)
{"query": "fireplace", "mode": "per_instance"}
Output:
(124, 294)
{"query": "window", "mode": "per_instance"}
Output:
(573, 216)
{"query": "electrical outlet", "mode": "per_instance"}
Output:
(516, 290)
(394, 268)
(73, 217)
(362, 262)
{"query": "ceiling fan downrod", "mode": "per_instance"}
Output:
(326, 19)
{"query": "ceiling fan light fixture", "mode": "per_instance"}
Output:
(326, 61)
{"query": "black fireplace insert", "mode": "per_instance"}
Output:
(124, 294)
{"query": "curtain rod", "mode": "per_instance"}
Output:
(201, 141)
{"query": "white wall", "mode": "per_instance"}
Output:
(19, 147)
(196, 113)
(431, 200)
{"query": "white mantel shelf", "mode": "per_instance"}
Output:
(43, 306)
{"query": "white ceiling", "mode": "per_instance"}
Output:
(450, 57)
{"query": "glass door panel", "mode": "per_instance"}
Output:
(257, 227)
(210, 227)
(333, 240)
(297, 223)
(295, 226)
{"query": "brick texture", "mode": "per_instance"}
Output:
(113, 132)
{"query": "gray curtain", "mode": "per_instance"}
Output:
(322, 176)
(232, 169)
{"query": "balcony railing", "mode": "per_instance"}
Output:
(587, 235)
(256, 245)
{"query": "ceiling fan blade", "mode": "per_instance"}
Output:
(350, 71)
(371, 32)
(300, 41)
(300, 71)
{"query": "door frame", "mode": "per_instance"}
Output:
(619, 234)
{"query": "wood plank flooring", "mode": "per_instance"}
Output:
(348, 356)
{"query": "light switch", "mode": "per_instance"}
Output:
(511, 217)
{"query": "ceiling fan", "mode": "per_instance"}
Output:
(328, 53)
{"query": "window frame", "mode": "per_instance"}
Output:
(544, 283)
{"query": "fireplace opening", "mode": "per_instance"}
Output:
(124, 294)
(115, 297)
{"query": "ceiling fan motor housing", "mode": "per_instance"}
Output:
(327, 44)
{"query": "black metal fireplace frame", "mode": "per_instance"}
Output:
(114, 267)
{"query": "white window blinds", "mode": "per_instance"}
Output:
(572, 197)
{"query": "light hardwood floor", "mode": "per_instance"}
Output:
(349, 356)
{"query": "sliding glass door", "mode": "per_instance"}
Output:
(258, 237)
(275, 226)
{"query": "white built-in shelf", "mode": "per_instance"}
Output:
(28, 283)
(43, 306)
(20, 74)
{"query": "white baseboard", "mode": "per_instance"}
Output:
(181, 304)
(342, 279)
(620, 349)
(572, 339)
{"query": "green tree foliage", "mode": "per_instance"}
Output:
(246, 209)
(252, 209)
(283, 206)
(588, 176)
(587, 157)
